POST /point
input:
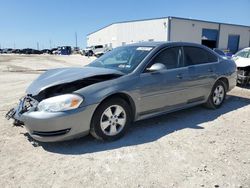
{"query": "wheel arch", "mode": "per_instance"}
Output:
(225, 81)
(127, 98)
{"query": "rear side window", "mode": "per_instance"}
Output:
(196, 56)
(170, 57)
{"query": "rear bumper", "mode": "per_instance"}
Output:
(58, 126)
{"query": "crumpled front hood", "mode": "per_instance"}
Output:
(65, 75)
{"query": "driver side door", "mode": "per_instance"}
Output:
(164, 90)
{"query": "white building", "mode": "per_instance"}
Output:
(211, 34)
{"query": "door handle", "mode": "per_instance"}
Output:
(179, 76)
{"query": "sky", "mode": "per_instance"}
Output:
(24, 23)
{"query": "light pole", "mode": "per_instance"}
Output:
(76, 38)
(37, 45)
(50, 44)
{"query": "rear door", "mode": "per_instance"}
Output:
(165, 89)
(201, 66)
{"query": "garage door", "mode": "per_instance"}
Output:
(209, 38)
(233, 43)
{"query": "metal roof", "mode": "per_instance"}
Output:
(168, 17)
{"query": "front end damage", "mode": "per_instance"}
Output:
(30, 102)
(55, 126)
(243, 75)
(26, 104)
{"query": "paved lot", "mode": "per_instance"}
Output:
(191, 148)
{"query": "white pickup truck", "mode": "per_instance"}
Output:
(97, 50)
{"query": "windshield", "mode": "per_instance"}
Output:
(243, 53)
(124, 59)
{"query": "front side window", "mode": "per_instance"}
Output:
(170, 57)
(196, 56)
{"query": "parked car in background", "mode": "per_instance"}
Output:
(129, 83)
(27, 51)
(242, 60)
(54, 50)
(7, 50)
(220, 52)
(97, 50)
(76, 50)
(16, 51)
(228, 53)
(223, 53)
(64, 50)
(46, 51)
(30, 51)
(86, 51)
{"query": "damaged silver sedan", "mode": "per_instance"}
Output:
(127, 84)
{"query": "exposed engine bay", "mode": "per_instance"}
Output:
(72, 86)
(30, 102)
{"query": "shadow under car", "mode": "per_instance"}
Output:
(146, 131)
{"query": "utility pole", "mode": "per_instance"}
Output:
(37, 45)
(50, 44)
(76, 38)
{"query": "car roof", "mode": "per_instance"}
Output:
(248, 48)
(157, 44)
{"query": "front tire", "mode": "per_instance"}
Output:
(90, 53)
(217, 95)
(111, 119)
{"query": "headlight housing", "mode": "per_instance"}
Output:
(60, 103)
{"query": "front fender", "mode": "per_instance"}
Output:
(96, 93)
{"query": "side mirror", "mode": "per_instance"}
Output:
(156, 67)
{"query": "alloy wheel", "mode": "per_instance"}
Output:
(113, 120)
(218, 95)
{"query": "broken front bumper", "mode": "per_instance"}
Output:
(243, 75)
(26, 104)
(53, 126)
(242, 78)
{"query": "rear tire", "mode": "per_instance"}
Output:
(217, 95)
(111, 119)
